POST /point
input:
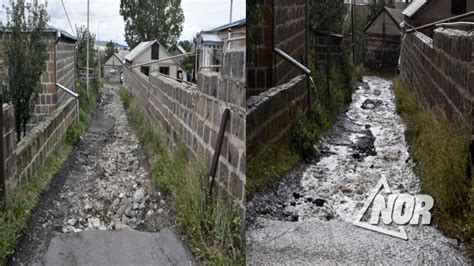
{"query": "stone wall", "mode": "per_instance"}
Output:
(270, 115)
(23, 159)
(192, 114)
(274, 24)
(382, 51)
(441, 71)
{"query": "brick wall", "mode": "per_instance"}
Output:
(442, 71)
(382, 52)
(23, 159)
(192, 114)
(274, 24)
(270, 115)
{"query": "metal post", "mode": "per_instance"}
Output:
(217, 151)
(98, 51)
(353, 31)
(231, 4)
(2, 159)
(88, 41)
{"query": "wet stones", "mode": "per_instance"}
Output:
(370, 104)
(365, 146)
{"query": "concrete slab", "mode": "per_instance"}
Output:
(125, 247)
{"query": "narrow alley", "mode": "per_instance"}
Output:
(105, 185)
(307, 217)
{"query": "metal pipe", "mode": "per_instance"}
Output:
(75, 95)
(441, 21)
(460, 23)
(290, 59)
(217, 151)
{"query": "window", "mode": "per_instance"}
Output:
(155, 52)
(165, 70)
(458, 7)
(145, 70)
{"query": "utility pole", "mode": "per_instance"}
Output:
(98, 50)
(231, 4)
(353, 31)
(88, 40)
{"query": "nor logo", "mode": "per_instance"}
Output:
(399, 209)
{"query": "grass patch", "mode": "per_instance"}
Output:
(213, 233)
(334, 94)
(15, 212)
(440, 148)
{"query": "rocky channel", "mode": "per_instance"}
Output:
(307, 217)
(105, 184)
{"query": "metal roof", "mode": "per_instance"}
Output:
(211, 37)
(139, 49)
(233, 24)
(414, 7)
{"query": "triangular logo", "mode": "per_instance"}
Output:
(382, 184)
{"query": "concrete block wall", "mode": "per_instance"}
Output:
(382, 52)
(192, 114)
(60, 68)
(328, 48)
(441, 72)
(290, 27)
(259, 47)
(65, 68)
(274, 24)
(23, 159)
(271, 114)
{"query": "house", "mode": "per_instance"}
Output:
(60, 69)
(423, 12)
(210, 44)
(383, 39)
(151, 56)
(114, 65)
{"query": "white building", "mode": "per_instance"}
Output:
(151, 56)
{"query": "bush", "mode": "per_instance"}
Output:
(304, 137)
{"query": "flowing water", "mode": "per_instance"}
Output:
(307, 218)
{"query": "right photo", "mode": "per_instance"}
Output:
(359, 132)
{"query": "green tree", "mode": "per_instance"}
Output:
(152, 19)
(25, 56)
(81, 52)
(187, 45)
(327, 16)
(110, 49)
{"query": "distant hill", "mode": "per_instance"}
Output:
(103, 43)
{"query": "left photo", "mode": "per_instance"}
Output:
(124, 136)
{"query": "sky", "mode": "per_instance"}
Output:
(199, 15)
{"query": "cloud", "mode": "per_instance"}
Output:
(199, 15)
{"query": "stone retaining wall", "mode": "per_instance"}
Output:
(441, 70)
(192, 114)
(23, 159)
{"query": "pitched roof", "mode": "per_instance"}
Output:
(140, 48)
(414, 7)
(396, 14)
(233, 24)
(393, 13)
